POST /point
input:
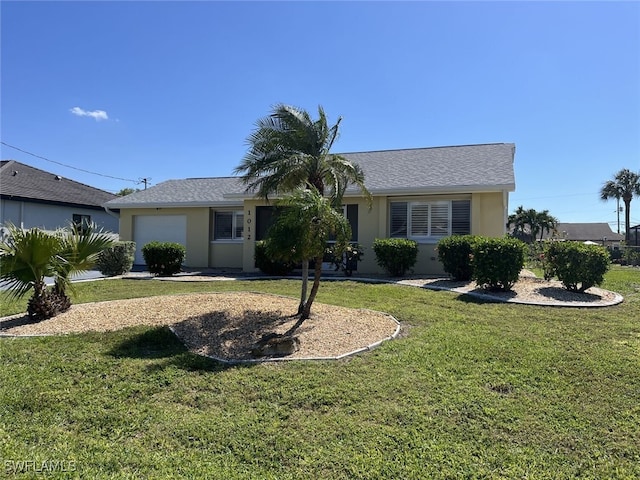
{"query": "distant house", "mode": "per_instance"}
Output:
(423, 194)
(30, 197)
(600, 233)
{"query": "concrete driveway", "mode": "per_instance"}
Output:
(90, 275)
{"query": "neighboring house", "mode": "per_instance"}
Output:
(30, 197)
(600, 233)
(424, 194)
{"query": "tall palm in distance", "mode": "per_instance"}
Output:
(625, 185)
(546, 222)
(289, 150)
(529, 224)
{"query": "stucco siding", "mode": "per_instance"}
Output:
(197, 230)
(488, 213)
(249, 244)
(226, 255)
(486, 218)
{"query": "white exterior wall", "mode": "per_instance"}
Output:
(51, 217)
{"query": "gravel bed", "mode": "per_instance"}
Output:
(223, 325)
(528, 290)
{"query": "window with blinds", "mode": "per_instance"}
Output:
(228, 225)
(430, 220)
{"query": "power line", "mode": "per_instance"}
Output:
(68, 166)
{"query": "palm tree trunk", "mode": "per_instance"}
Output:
(305, 283)
(314, 289)
(627, 219)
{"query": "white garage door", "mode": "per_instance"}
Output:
(159, 228)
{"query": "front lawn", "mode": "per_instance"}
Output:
(470, 390)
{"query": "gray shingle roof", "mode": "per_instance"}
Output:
(467, 168)
(19, 181)
(582, 232)
(189, 192)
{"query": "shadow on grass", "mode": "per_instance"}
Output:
(476, 299)
(161, 344)
(155, 343)
(225, 335)
(481, 295)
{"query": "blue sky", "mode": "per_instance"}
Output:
(166, 90)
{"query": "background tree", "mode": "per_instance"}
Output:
(546, 223)
(301, 232)
(127, 191)
(289, 150)
(625, 185)
(27, 257)
(528, 224)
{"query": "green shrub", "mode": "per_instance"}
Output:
(631, 256)
(497, 262)
(267, 264)
(576, 265)
(163, 258)
(116, 260)
(395, 255)
(455, 254)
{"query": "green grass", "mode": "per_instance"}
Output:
(472, 390)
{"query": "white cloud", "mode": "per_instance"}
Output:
(97, 114)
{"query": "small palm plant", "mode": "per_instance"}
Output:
(300, 234)
(27, 257)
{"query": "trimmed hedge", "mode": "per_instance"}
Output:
(455, 254)
(497, 262)
(267, 264)
(395, 255)
(116, 260)
(163, 258)
(576, 265)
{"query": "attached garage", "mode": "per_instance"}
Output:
(159, 228)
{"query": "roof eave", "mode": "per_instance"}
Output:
(172, 204)
(510, 187)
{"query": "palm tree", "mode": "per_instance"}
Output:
(527, 224)
(625, 185)
(80, 247)
(300, 233)
(289, 150)
(545, 222)
(28, 256)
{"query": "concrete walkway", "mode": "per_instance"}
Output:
(547, 294)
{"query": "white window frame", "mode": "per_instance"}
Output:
(237, 217)
(430, 236)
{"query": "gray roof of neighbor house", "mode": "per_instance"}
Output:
(457, 169)
(582, 232)
(22, 182)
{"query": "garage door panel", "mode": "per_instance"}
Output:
(158, 228)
